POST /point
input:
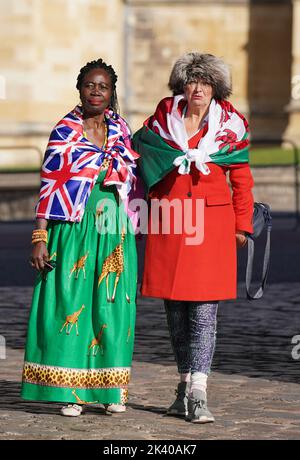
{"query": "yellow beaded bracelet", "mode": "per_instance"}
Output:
(39, 240)
(39, 232)
(39, 235)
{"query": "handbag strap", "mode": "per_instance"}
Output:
(260, 291)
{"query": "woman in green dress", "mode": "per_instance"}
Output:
(81, 327)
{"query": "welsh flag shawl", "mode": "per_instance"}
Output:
(162, 142)
(72, 164)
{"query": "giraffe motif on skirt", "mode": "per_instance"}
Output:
(114, 263)
(96, 342)
(71, 320)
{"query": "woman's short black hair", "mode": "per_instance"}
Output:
(100, 64)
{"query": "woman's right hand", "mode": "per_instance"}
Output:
(39, 256)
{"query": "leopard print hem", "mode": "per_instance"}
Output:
(116, 377)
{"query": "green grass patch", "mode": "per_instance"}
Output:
(271, 156)
(19, 169)
(262, 156)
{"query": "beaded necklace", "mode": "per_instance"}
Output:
(105, 135)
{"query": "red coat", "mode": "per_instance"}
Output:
(207, 271)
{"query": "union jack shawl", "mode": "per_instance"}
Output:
(72, 163)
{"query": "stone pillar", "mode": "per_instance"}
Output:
(293, 129)
(269, 64)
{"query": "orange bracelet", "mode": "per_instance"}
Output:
(39, 235)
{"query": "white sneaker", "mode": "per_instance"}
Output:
(72, 410)
(115, 408)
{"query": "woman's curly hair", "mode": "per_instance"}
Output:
(100, 64)
(204, 67)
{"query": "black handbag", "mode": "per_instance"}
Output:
(261, 220)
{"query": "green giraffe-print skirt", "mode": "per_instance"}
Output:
(82, 319)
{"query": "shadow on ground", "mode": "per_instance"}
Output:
(254, 338)
(10, 400)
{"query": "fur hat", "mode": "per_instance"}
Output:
(204, 67)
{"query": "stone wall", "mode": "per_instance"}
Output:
(43, 44)
(159, 32)
(274, 185)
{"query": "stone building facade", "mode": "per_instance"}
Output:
(43, 44)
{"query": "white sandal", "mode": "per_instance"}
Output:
(72, 410)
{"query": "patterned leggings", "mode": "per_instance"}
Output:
(192, 327)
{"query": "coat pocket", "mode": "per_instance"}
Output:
(218, 200)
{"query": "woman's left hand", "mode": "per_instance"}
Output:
(241, 239)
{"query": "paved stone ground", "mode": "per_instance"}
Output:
(253, 389)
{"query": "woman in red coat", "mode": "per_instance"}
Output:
(187, 148)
